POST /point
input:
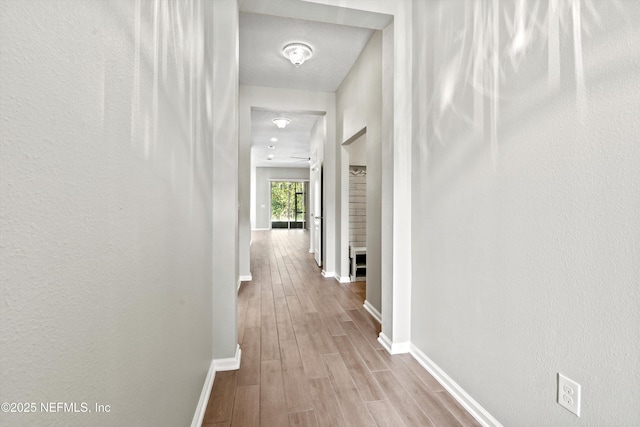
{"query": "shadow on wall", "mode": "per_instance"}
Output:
(482, 57)
(178, 38)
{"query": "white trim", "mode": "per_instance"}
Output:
(230, 363)
(290, 179)
(328, 274)
(239, 283)
(260, 229)
(458, 393)
(246, 278)
(345, 279)
(394, 348)
(372, 311)
(311, 251)
(198, 417)
(386, 343)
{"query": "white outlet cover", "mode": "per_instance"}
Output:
(569, 394)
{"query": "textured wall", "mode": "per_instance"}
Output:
(224, 98)
(106, 201)
(246, 193)
(526, 205)
(359, 103)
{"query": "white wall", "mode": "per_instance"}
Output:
(245, 191)
(525, 247)
(106, 209)
(358, 151)
(316, 148)
(264, 176)
(225, 161)
(252, 197)
(358, 104)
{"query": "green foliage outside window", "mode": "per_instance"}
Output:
(286, 205)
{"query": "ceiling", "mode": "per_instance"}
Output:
(262, 37)
(292, 145)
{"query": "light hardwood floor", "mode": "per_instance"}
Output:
(310, 355)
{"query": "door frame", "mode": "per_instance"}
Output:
(318, 212)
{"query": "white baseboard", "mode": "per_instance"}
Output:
(343, 279)
(372, 311)
(311, 251)
(394, 348)
(328, 274)
(230, 363)
(458, 393)
(260, 229)
(217, 365)
(198, 417)
(246, 278)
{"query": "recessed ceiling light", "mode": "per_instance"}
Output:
(281, 122)
(297, 53)
(270, 157)
(271, 147)
(274, 139)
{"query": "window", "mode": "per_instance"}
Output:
(288, 204)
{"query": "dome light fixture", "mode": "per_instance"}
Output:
(297, 53)
(281, 122)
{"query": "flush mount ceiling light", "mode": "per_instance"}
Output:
(297, 53)
(271, 147)
(274, 139)
(281, 122)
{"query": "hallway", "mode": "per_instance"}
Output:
(310, 355)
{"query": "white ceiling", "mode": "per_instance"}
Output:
(293, 141)
(262, 37)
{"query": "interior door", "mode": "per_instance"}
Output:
(317, 213)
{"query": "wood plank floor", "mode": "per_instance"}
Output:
(310, 355)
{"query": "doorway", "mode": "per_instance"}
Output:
(383, 132)
(355, 187)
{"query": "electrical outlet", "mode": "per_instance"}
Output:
(569, 394)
